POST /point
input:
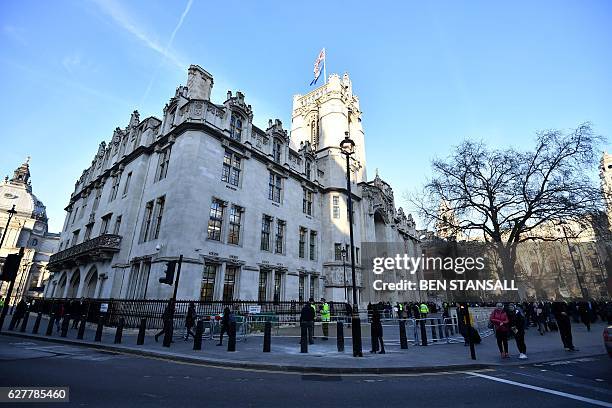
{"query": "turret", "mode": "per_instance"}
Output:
(199, 83)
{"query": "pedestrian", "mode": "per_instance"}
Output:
(517, 325)
(325, 318)
(585, 314)
(75, 312)
(424, 310)
(58, 314)
(167, 320)
(500, 321)
(539, 318)
(190, 319)
(376, 331)
(20, 310)
(307, 317)
(561, 313)
(227, 318)
(349, 314)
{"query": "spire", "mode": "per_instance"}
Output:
(22, 173)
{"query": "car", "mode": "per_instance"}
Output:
(607, 335)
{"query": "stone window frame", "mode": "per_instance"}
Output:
(275, 187)
(231, 169)
(266, 231)
(302, 243)
(307, 201)
(279, 237)
(210, 272)
(235, 223)
(215, 220)
(236, 126)
(163, 162)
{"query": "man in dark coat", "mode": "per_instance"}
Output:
(166, 320)
(560, 311)
(307, 317)
(377, 333)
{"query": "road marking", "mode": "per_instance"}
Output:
(545, 390)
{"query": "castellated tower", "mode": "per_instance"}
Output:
(322, 117)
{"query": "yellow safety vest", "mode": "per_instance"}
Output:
(325, 315)
(424, 308)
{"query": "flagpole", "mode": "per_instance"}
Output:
(324, 66)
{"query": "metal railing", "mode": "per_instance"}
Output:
(132, 311)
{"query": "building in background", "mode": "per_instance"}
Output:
(258, 214)
(27, 228)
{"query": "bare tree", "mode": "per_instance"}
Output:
(507, 196)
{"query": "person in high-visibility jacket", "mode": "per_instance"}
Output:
(325, 318)
(424, 310)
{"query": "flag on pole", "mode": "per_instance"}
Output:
(319, 62)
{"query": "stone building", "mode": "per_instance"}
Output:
(258, 214)
(27, 229)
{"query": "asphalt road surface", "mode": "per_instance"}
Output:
(104, 379)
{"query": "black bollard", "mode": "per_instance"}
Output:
(168, 332)
(65, 324)
(423, 333)
(24, 322)
(49, 331)
(99, 329)
(303, 338)
(403, 339)
(12, 322)
(267, 337)
(197, 342)
(81, 332)
(141, 332)
(340, 336)
(37, 323)
(119, 331)
(231, 342)
(356, 333)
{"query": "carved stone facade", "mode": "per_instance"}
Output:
(256, 213)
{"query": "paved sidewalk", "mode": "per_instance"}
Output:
(324, 357)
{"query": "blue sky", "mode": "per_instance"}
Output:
(428, 74)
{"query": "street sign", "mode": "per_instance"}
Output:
(254, 309)
(103, 307)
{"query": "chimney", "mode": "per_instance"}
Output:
(199, 83)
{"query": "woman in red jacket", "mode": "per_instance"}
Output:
(500, 321)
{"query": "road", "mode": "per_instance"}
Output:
(103, 379)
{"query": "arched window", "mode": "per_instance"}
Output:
(277, 150)
(314, 133)
(236, 127)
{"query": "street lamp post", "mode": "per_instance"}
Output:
(347, 147)
(343, 252)
(10, 213)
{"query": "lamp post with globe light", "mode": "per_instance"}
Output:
(347, 147)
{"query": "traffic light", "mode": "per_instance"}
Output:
(169, 278)
(10, 267)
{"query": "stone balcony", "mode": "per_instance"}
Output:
(96, 249)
